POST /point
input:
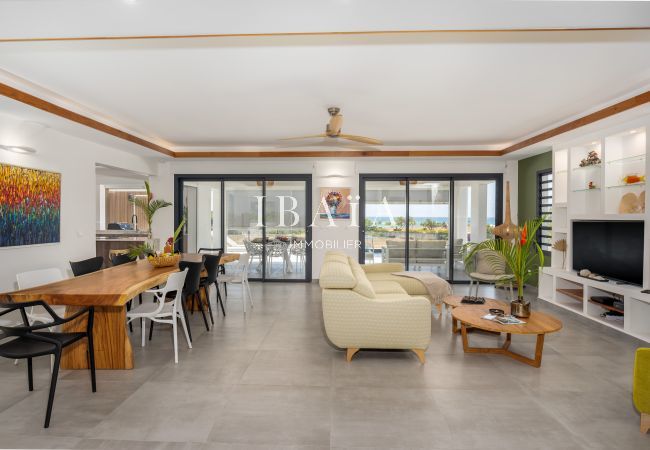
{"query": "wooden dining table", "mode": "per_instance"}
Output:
(108, 290)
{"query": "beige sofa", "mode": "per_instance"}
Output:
(363, 313)
(421, 251)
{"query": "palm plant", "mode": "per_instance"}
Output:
(522, 256)
(149, 206)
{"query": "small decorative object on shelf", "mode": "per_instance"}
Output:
(591, 185)
(632, 204)
(633, 179)
(586, 273)
(560, 246)
(592, 159)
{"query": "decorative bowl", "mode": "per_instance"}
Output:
(164, 260)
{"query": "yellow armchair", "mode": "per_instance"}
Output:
(641, 386)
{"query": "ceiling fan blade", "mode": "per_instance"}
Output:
(304, 137)
(336, 122)
(362, 139)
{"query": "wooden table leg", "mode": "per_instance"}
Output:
(112, 345)
(504, 350)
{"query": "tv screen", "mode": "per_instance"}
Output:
(613, 249)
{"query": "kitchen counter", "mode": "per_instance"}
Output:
(108, 241)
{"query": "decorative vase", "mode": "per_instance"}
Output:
(520, 308)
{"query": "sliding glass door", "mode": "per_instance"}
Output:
(429, 226)
(266, 218)
(423, 221)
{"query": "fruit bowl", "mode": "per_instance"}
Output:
(164, 260)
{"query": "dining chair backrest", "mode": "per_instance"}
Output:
(87, 265)
(174, 283)
(35, 278)
(210, 250)
(212, 266)
(193, 278)
(243, 264)
(118, 260)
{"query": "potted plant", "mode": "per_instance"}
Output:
(523, 258)
(165, 258)
(149, 206)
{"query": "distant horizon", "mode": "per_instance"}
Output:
(420, 219)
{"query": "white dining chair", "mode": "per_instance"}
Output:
(161, 311)
(240, 277)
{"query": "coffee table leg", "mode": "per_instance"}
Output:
(504, 350)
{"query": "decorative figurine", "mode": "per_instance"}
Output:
(591, 159)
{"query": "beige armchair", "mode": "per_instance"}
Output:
(360, 314)
(482, 269)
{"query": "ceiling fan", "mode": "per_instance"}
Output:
(333, 130)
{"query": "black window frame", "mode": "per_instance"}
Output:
(179, 179)
(406, 177)
(539, 195)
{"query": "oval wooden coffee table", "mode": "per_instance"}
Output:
(454, 301)
(538, 323)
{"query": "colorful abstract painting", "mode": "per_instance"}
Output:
(30, 206)
(336, 202)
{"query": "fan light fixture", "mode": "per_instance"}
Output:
(17, 149)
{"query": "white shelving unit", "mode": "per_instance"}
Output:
(622, 170)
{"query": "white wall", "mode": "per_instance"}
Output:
(75, 159)
(325, 173)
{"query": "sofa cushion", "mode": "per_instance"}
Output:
(410, 285)
(363, 286)
(336, 275)
(336, 257)
(387, 287)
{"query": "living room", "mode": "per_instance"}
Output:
(340, 224)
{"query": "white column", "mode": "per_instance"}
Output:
(479, 211)
(461, 200)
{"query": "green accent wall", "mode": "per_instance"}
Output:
(527, 194)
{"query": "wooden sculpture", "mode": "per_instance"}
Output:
(507, 230)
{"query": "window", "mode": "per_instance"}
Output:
(424, 220)
(545, 207)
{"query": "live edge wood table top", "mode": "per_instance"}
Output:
(537, 324)
(108, 290)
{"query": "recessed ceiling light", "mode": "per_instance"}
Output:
(17, 149)
(634, 131)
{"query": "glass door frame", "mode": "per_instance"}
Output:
(179, 179)
(407, 177)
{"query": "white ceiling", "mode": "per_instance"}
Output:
(436, 90)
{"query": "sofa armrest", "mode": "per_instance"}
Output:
(353, 321)
(383, 267)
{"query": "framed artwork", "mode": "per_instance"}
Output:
(30, 206)
(337, 201)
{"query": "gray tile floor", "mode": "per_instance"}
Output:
(270, 380)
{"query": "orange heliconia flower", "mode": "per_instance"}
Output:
(524, 235)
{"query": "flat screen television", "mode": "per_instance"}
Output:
(613, 249)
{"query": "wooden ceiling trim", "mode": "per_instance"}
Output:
(337, 154)
(65, 113)
(617, 108)
(44, 105)
(313, 33)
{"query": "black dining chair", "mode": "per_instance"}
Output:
(118, 260)
(222, 267)
(190, 290)
(212, 268)
(87, 265)
(30, 343)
